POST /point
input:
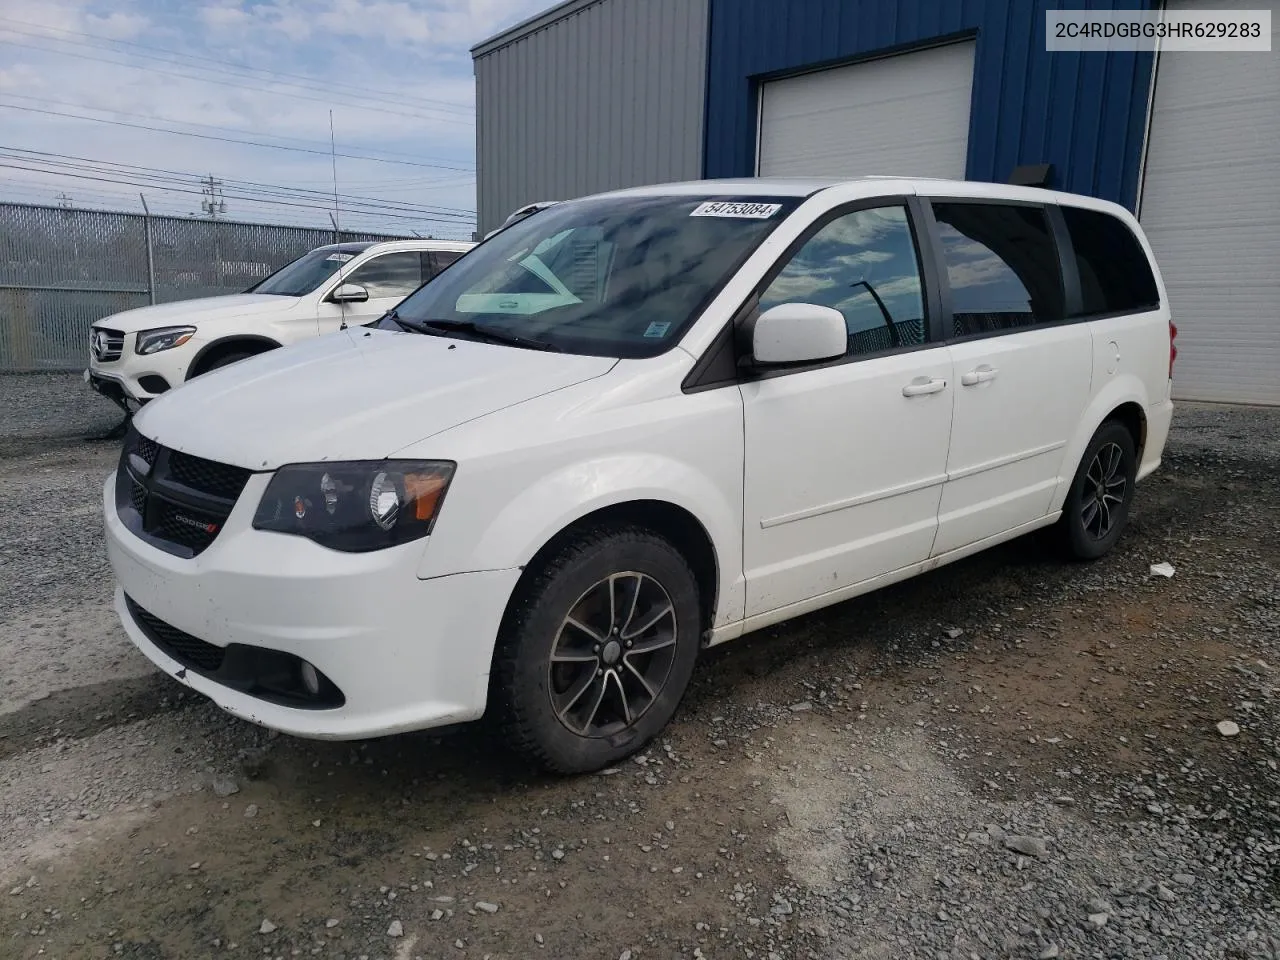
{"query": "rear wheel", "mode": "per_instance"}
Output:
(596, 652)
(1097, 505)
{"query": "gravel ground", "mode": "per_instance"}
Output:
(49, 406)
(1009, 757)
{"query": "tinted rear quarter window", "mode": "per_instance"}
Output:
(1002, 266)
(1115, 276)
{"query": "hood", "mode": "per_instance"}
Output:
(354, 395)
(195, 311)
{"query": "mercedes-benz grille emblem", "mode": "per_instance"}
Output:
(99, 343)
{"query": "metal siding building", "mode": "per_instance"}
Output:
(589, 96)
(1084, 113)
(600, 94)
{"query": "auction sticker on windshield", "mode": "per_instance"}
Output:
(729, 208)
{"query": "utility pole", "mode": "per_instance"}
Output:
(64, 201)
(213, 205)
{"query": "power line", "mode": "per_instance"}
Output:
(206, 136)
(105, 200)
(265, 201)
(161, 181)
(108, 43)
(160, 173)
(251, 199)
(434, 162)
(364, 105)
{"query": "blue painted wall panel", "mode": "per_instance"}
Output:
(1083, 112)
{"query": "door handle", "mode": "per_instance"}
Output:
(981, 375)
(922, 385)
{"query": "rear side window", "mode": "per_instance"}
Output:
(1002, 267)
(436, 260)
(1115, 276)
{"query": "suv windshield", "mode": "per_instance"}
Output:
(610, 276)
(308, 271)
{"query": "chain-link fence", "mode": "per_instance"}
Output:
(62, 269)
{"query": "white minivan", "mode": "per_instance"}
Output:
(629, 427)
(139, 354)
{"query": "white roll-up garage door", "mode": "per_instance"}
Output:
(1211, 209)
(905, 115)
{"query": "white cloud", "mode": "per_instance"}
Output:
(116, 25)
(223, 18)
(396, 73)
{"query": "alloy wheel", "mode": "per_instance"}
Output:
(612, 654)
(1103, 492)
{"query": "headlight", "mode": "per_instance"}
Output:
(357, 506)
(163, 338)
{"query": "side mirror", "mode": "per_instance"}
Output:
(799, 333)
(349, 293)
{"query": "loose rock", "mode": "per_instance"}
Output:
(1029, 846)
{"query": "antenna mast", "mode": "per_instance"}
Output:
(333, 156)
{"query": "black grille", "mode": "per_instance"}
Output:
(146, 448)
(207, 476)
(138, 496)
(185, 526)
(177, 501)
(187, 650)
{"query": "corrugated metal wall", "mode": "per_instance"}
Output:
(1083, 112)
(610, 95)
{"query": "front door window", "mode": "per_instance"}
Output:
(864, 265)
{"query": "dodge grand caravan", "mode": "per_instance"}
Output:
(629, 427)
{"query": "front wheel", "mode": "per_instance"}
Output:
(1097, 505)
(226, 360)
(597, 650)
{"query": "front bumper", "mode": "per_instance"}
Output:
(134, 379)
(406, 654)
(113, 388)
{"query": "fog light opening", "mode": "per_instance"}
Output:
(310, 678)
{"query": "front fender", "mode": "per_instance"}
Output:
(527, 521)
(1128, 388)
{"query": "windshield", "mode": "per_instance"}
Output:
(307, 272)
(609, 276)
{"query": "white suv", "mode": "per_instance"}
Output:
(631, 426)
(139, 354)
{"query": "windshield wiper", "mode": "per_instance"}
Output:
(479, 331)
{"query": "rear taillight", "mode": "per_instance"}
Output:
(1173, 348)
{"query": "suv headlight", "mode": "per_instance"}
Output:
(356, 506)
(162, 338)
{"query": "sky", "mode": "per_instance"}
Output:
(101, 100)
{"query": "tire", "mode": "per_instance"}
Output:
(226, 360)
(545, 708)
(1090, 526)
